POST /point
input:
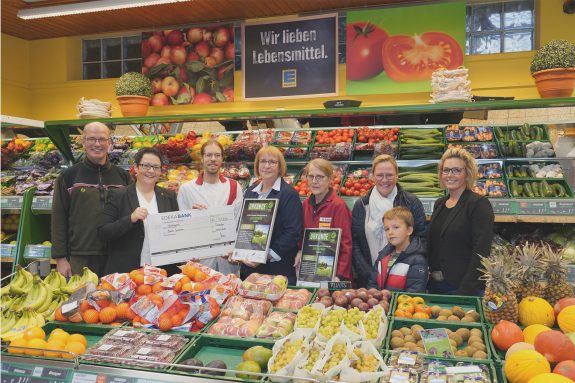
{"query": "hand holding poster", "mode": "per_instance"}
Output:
(255, 230)
(320, 251)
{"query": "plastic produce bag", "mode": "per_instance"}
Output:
(263, 286)
(293, 299)
(374, 326)
(277, 325)
(362, 352)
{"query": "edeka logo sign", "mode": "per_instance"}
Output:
(290, 58)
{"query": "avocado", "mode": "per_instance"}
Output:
(191, 362)
(216, 364)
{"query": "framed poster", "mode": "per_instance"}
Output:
(255, 230)
(290, 58)
(320, 252)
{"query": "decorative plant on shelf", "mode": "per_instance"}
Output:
(134, 91)
(553, 68)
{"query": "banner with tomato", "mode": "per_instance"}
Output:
(395, 50)
(190, 66)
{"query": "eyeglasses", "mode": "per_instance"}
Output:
(93, 140)
(454, 171)
(317, 178)
(148, 167)
(388, 176)
(213, 155)
(268, 162)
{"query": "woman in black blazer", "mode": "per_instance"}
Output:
(461, 228)
(122, 220)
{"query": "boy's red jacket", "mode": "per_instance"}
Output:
(332, 213)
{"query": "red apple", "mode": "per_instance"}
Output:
(562, 303)
(175, 37)
(218, 55)
(192, 56)
(195, 35)
(166, 50)
(151, 60)
(166, 32)
(146, 49)
(178, 55)
(221, 37)
(163, 60)
(170, 86)
(230, 51)
(160, 99)
(203, 48)
(184, 74)
(210, 62)
(202, 98)
(157, 84)
(156, 43)
(207, 35)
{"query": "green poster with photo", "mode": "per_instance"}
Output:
(396, 49)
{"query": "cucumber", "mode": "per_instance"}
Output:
(519, 189)
(528, 192)
(515, 188)
(559, 190)
(509, 170)
(547, 192)
(534, 188)
(525, 130)
(523, 147)
(499, 133)
(513, 135)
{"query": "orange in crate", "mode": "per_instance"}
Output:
(108, 315)
(123, 310)
(144, 290)
(91, 316)
(58, 315)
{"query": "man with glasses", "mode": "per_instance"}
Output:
(212, 189)
(80, 193)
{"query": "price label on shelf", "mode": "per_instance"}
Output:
(42, 203)
(37, 251)
(532, 207)
(7, 250)
(562, 208)
(12, 202)
(503, 207)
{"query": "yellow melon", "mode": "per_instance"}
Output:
(531, 332)
(566, 319)
(524, 365)
(550, 378)
(534, 310)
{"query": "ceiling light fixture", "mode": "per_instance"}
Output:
(88, 7)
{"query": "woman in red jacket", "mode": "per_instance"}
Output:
(324, 209)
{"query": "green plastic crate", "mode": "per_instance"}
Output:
(522, 181)
(396, 324)
(500, 373)
(209, 348)
(467, 303)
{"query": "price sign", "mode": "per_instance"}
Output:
(42, 203)
(12, 202)
(532, 207)
(503, 207)
(342, 285)
(562, 208)
(23, 373)
(428, 205)
(37, 251)
(7, 250)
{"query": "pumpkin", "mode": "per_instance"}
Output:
(505, 334)
(562, 303)
(550, 378)
(530, 332)
(566, 319)
(524, 365)
(534, 310)
(566, 368)
(518, 347)
(555, 346)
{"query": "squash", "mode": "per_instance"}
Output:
(566, 368)
(530, 332)
(555, 346)
(550, 378)
(505, 334)
(534, 310)
(518, 347)
(566, 319)
(524, 365)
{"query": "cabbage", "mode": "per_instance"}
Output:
(569, 253)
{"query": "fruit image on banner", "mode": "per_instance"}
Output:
(396, 49)
(190, 66)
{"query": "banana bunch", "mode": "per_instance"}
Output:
(55, 280)
(21, 283)
(13, 327)
(77, 281)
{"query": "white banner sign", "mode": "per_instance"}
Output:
(178, 236)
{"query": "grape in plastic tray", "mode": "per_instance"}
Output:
(293, 299)
(263, 286)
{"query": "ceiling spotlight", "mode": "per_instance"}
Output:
(88, 7)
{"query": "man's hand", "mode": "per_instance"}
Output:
(251, 264)
(199, 206)
(63, 267)
(297, 262)
(139, 213)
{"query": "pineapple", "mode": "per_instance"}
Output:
(529, 269)
(499, 300)
(556, 275)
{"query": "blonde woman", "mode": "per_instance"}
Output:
(461, 228)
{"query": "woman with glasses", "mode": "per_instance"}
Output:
(324, 209)
(270, 167)
(461, 228)
(368, 236)
(122, 220)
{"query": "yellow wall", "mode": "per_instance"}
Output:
(40, 78)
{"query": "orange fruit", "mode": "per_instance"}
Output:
(34, 333)
(150, 279)
(163, 272)
(420, 315)
(176, 320)
(189, 271)
(75, 347)
(60, 335)
(78, 338)
(54, 345)
(84, 305)
(157, 287)
(108, 315)
(122, 310)
(201, 276)
(164, 323)
(199, 286)
(106, 286)
(58, 315)
(21, 342)
(178, 287)
(184, 279)
(144, 290)
(38, 344)
(91, 316)
(188, 287)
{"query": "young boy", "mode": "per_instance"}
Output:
(401, 265)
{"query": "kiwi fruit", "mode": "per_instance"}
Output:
(445, 312)
(470, 350)
(442, 317)
(396, 342)
(479, 355)
(476, 332)
(463, 333)
(415, 329)
(461, 353)
(458, 311)
(410, 345)
(452, 343)
(454, 318)
(435, 311)
(474, 314)
(410, 339)
(405, 331)
(420, 343)
(479, 346)
(421, 349)
(457, 338)
(396, 334)
(474, 339)
(467, 319)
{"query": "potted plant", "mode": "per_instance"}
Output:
(553, 69)
(134, 91)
